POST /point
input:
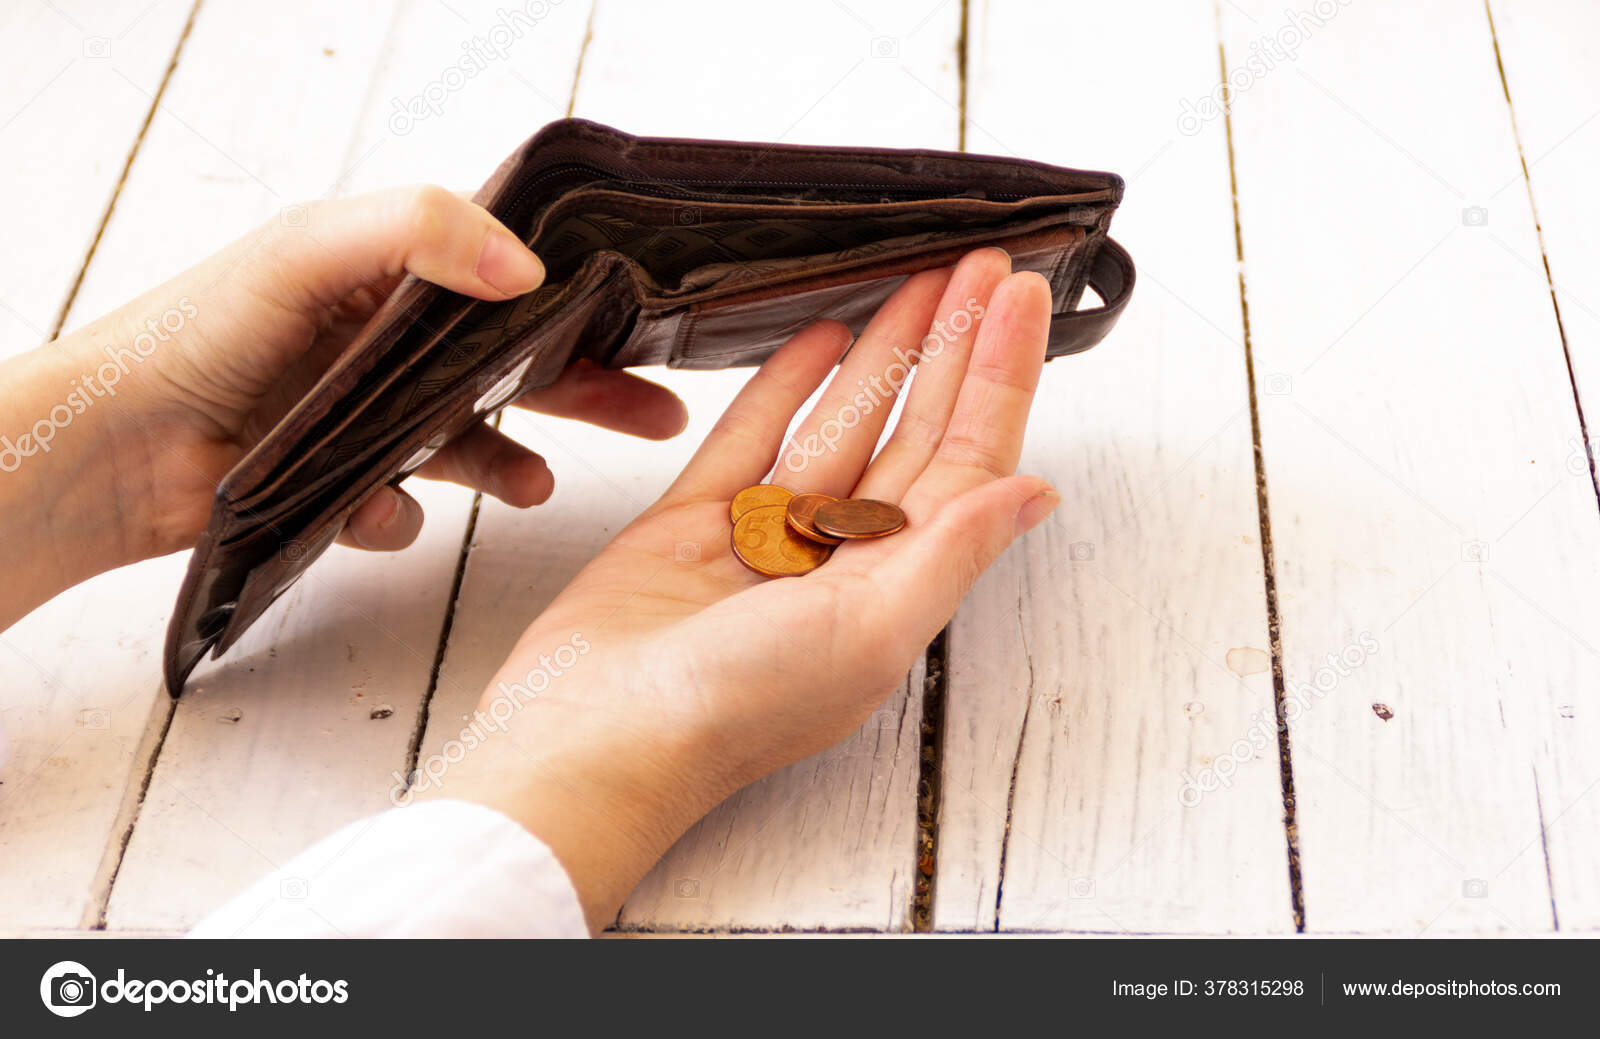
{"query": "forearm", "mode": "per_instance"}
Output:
(61, 495)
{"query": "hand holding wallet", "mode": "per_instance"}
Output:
(692, 254)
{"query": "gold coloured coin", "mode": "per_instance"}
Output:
(859, 518)
(802, 516)
(757, 496)
(763, 542)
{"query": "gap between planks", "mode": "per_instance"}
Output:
(1572, 380)
(935, 675)
(1269, 577)
(425, 709)
(122, 178)
(165, 707)
(1544, 257)
(932, 723)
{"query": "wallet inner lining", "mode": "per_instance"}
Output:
(682, 248)
(725, 245)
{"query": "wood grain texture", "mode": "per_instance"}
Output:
(1121, 646)
(303, 725)
(73, 705)
(829, 842)
(1433, 507)
(1416, 420)
(64, 156)
(1550, 54)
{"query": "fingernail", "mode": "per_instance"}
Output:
(999, 250)
(391, 507)
(509, 265)
(384, 513)
(1036, 508)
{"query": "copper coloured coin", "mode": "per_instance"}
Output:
(756, 497)
(859, 518)
(802, 516)
(763, 542)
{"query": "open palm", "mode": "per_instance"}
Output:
(690, 640)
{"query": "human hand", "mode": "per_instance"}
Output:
(693, 676)
(197, 370)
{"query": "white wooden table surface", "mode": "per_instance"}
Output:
(1332, 463)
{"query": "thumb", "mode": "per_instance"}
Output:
(932, 573)
(320, 253)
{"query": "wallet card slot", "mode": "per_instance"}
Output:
(746, 328)
(409, 387)
(672, 187)
(781, 278)
(453, 402)
(680, 251)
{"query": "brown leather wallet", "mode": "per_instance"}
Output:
(692, 254)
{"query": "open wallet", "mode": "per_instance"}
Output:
(687, 253)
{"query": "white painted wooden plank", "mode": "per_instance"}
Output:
(1550, 53)
(239, 136)
(292, 734)
(1123, 645)
(1416, 422)
(830, 842)
(78, 84)
(523, 58)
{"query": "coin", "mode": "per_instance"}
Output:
(859, 518)
(757, 496)
(802, 513)
(763, 542)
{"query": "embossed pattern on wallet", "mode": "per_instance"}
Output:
(688, 253)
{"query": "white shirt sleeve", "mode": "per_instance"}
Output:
(436, 869)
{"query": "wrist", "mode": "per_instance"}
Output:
(608, 797)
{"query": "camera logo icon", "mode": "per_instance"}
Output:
(1475, 216)
(1578, 457)
(885, 47)
(686, 887)
(687, 216)
(95, 719)
(1474, 551)
(297, 217)
(686, 552)
(1081, 888)
(1474, 887)
(1081, 551)
(96, 48)
(67, 989)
